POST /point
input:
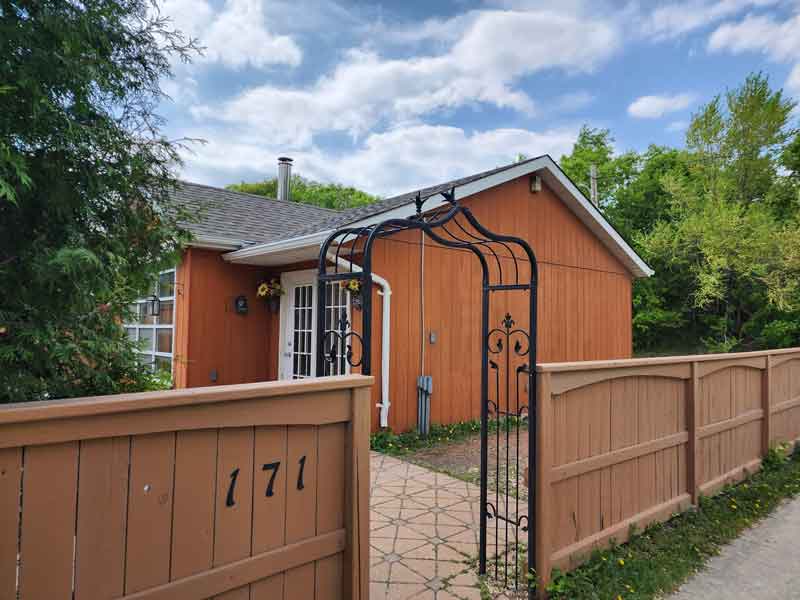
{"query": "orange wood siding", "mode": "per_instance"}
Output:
(241, 348)
(584, 308)
(584, 302)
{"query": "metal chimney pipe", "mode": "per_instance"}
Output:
(284, 177)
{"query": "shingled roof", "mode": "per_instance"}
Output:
(244, 219)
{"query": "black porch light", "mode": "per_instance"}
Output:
(153, 306)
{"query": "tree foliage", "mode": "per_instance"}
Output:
(85, 219)
(717, 221)
(306, 191)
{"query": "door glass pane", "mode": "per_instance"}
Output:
(301, 336)
(131, 332)
(336, 308)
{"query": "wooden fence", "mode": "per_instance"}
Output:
(629, 442)
(255, 491)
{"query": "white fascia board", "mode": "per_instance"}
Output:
(215, 243)
(303, 241)
(633, 261)
(573, 197)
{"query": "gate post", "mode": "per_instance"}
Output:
(484, 422)
(541, 489)
(356, 555)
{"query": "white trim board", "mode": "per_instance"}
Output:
(299, 248)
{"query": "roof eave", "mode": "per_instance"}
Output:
(567, 190)
(215, 243)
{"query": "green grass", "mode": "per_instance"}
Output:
(398, 444)
(664, 555)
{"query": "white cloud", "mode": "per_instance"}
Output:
(235, 36)
(778, 40)
(678, 18)
(493, 51)
(793, 82)
(655, 107)
(395, 161)
(678, 126)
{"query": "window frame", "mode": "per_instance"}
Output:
(155, 327)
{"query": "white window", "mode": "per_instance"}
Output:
(155, 334)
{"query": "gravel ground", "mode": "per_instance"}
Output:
(462, 459)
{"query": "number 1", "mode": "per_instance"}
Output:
(230, 501)
(300, 484)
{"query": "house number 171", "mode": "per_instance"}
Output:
(230, 499)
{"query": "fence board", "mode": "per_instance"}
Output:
(195, 489)
(192, 508)
(149, 511)
(633, 441)
(10, 486)
(233, 520)
(330, 506)
(301, 506)
(102, 516)
(50, 489)
(269, 503)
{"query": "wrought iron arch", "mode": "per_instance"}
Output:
(508, 354)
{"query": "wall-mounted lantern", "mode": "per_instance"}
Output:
(153, 306)
(240, 305)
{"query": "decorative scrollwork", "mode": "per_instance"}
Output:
(499, 339)
(342, 338)
(491, 513)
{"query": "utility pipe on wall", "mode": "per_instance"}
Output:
(386, 291)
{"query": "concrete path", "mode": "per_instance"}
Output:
(762, 564)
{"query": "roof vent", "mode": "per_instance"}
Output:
(284, 177)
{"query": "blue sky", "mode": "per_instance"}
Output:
(393, 96)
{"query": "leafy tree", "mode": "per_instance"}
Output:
(596, 147)
(85, 218)
(728, 243)
(326, 195)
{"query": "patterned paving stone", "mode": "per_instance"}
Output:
(424, 532)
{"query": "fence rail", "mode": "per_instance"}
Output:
(628, 442)
(249, 491)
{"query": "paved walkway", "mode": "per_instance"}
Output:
(424, 533)
(763, 564)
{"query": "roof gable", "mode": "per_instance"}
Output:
(403, 206)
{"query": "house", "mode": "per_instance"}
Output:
(222, 333)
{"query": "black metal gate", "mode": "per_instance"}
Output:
(508, 360)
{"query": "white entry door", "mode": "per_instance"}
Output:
(299, 323)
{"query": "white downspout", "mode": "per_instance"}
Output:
(386, 292)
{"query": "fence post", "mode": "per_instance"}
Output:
(356, 554)
(693, 401)
(542, 490)
(766, 405)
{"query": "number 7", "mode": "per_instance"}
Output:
(274, 468)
